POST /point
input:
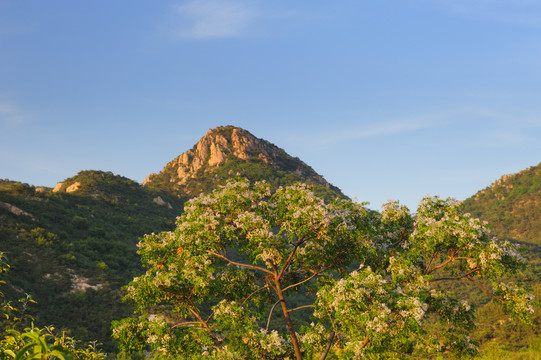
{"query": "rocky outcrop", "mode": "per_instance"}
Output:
(71, 188)
(16, 211)
(158, 200)
(58, 187)
(212, 150)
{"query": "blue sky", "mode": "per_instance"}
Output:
(386, 99)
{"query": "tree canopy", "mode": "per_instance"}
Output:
(243, 253)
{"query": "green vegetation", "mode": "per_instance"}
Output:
(512, 206)
(87, 237)
(33, 342)
(207, 179)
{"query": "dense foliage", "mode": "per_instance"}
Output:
(238, 253)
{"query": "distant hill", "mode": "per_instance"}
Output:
(73, 247)
(226, 152)
(512, 205)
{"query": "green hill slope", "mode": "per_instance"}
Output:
(73, 247)
(512, 206)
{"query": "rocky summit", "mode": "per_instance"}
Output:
(228, 151)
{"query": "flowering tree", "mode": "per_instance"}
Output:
(238, 253)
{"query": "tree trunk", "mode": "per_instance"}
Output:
(288, 320)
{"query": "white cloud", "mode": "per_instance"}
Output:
(215, 19)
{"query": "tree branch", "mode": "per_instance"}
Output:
(240, 264)
(485, 290)
(328, 348)
(290, 257)
(430, 262)
(451, 258)
(439, 266)
(249, 296)
(205, 325)
(288, 261)
(270, 314)
(457, 277)
(365, 342)
(187, 323)
(301, 307)
(307, 279)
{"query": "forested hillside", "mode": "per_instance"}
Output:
(73, 247)
(512, 207)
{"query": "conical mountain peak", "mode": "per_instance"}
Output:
(228, 151)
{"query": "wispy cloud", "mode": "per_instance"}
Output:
(494, 126)
(366, 130)
(206, 19)
(513, 12)
(373, 130)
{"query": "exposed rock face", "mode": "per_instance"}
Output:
(158, 200)
(58, 187)
(213, 149)
(80, 283)
(73, 187)
(15, 210)
(216, 148)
